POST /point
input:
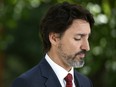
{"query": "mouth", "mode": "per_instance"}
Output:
(81, 55)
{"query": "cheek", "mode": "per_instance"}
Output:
(75, 47)
(71, 46)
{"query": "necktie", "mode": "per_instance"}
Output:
(68, 80)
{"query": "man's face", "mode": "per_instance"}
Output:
(72, 46)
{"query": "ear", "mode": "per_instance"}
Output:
(54, 38)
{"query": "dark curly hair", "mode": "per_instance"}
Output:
(59, 17)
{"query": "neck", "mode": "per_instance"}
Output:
(58, 61)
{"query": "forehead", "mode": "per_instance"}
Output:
(79, 26)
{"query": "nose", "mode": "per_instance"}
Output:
(85, 45)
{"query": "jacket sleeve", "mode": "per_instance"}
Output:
(20, 82)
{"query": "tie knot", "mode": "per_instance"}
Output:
(68, 78)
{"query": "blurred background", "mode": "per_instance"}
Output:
(21, 48)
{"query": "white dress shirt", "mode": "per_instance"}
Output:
(60, 72)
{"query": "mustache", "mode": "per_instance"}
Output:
(81, 52)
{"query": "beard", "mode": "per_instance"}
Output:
(72, 60)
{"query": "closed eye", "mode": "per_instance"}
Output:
(77, 39)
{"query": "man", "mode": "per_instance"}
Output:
(65, 30)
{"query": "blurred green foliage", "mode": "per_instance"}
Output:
(21, 48)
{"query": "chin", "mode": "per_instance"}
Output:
(78, 64)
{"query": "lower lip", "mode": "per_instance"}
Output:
(82, 55)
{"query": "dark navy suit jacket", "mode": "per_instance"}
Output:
(42, 75)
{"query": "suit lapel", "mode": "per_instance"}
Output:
(77, 81)
(52, 82)
(49, 74)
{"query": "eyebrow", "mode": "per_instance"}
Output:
(82, 34)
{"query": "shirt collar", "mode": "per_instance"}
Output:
(60, 71)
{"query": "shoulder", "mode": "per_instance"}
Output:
(83, 80)
(30, 78)
(80, 75)
(25, 79)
